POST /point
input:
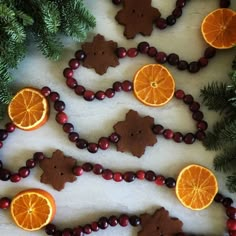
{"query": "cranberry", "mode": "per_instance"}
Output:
(203, 61)
(61, 118)
(224, 3)
(78, 170)
(161, 23)
(218, 198)
(231, 224)
(116, 2)
(209, 52)
(177, 12)
(3, 134)
(30, 163)
(15, 178)
(182, 65)
(232, 233)
(127, 86)
(81, 143)
(197, 115)
(46, 91)
(123, 220)
(114, 137)
(121, 52)
(231, 213)
(150, 175)
(189, 138)
(10, 127)
(59, 106)
(134, 220)
(50, 229)
(24, 172)
(79, 90)
(112, 221)
(180, 3)
(173, 59)
(110, 93)
(179, 94)
(38, 156)
(94, 226)
(88, 95)
(202, 125)
(107, 174)
(170, 20)
(68, 73)
(227, 202)
(168, 134)
(68, 128)
(152, 52)
(92, 147)
(188, 99)
(73, 136)
(74, 63)
(78, 231)
(200, 135)
(5, 174)
(129, 176)
(161, 57)
(170, 182)
(117, 177)
(4, 202)
(195, 106)
(97, 169)
(143, 47)
(178, 137)
(158, 129)
(100, 95)
(54, 96)
(80, 55)
(71, 83)
(87, 167)
(193, 67)
(87, 229)
(103, 223)
(117, 86)
(140, 174)
(160, 180)
(132, 52)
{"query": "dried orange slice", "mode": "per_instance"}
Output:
(32, 209)
(153, 85)
(218, 28)
(196, 187)
(28, 109)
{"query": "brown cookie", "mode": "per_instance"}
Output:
(100, 54)
(160, 223)
(57, 170)
(137, 16)
(135, 133)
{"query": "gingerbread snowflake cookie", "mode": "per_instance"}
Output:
(160, 223)
(137, 16)
(135, 133)
(100, 54)
(57, 170)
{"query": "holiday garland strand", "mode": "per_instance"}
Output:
(221, 97)
(41, 21)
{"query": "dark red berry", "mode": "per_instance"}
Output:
(173, 59)
(179, 94)
(78, 231)
(209, 52)
(79, 90)
(161, 57)
(129, 176)
(74, 63)
(88, 95)
(121, 52)
(10, 127)
(80, 55)
(92, 147)
(81, 143)
(143, 47)
(97, 169)
(160, 180)
(202, 125)
(219, 198)
(61, 118)
(152, 52)
(5, 174)
(197, 115)
(5, 202)
(59, 105)
(132, 52)
(50, 229)
(38, 156)
(161, 23)
(203, 61)
(100, 95)
(168, 134)
(15, 178)
(189, 138)
(227, 202)
(24, 171)
(110, 93)
(231, 224)
(123, 220)
(224, 3)
(158, 129)
(188, 99)
(140, 174)
(200, 135)
(134, 220)
(182, 65)
(46, 91)
(118, 177)
(178, 137)
(30, 163)
(170, 20)
(73, 136)
(231, 213)
(87, 229)
(68, 73)
(117, 86)
(150, 175)
(94, 226)
(3, 134)
(107, 174)
(71, 83)
(103, 143)
(68, 128)
(177, 12)
(112, 221)
(127, 86)
(114, 137)
(170, 182)
(78, 170)
(193, 67)
(103, 223)
(87, 167)
(116, 2)
(180, 3)
(195, 106)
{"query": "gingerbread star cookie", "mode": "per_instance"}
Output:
(57, 170)
(100, 54)
(160, 223)
(137, 16)
(135, 133)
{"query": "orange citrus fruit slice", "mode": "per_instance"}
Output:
(196, 187)
(32, 209)
(28, 109)
(218, 28)
(153, 85)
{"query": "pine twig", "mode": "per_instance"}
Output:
(231, 182)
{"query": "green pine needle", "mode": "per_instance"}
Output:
(231, 183)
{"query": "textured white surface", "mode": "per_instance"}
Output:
(90, 196)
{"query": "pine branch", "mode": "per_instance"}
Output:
(216, 96)
(226, 160)
(231, 183)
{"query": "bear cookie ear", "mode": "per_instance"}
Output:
(137, 16)
(28, 109)
(100, 54)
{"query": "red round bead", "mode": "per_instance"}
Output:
(24, 172)
(117, 177)
(15, 178)
(100, 95)
(160, 180)
(143, 47)
(87, 167)
(129, 176)
(123, 220)
(158, 129)
(5, 203)
(140, 174)
(231, 224)
(78, 231)
(127, 86)
(132, 52)
(103, 143)
(168, 134)
(87, 229)
(68, 128)
(61, 118)
(195, 106)
(161, 23)
(232, 233)
(200, 135)
(121, 52)
(203, 61)
(110, 93)
(202, 125)
(114, 138)
(89, 95)
(71, 82)
(178, 137)
(179, 94)
(92, 147)
(46, 91)
(74, 63)
(161, 57)
(79, 90)
(150, 175)
(78, 170)
(189, 138)
(54, 96)
(10, 127)
(80, 55)
(112, 221)
(117, 86)
(68, 73)
(231, 213)
(97, 169)
(152, 52)
(30, 163)
(107, 174)
(94, 226)
(73, 136)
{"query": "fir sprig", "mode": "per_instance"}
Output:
(43, 21)
(221, 97)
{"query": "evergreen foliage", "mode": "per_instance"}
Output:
(221, 97)
(42, 21)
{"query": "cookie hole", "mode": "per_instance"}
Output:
(142, 15)
(133, 11)
(94, 53)
(103, 52)
(132, 134)
(140, 131)
(55, 167)
(62, 173)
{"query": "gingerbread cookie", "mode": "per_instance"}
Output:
(137, 16)
(160, 223)
(135, 133)
(57, 170)
(100, 54)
